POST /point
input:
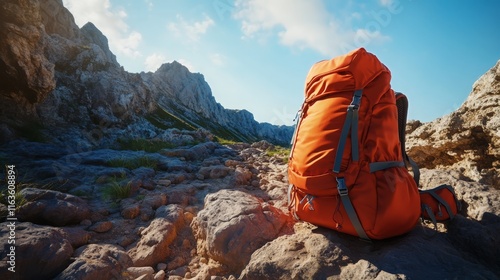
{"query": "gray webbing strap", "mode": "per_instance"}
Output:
(428, 210)
(354, 135)
(443, 202)
(381, 165)
(342, 140)
(350, 124)
(402, 105)
(351, 212)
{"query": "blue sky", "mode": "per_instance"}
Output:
(255, 54)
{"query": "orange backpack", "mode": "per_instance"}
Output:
(347, 167)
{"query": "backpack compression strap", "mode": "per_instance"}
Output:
(350, 124)
(402, 105)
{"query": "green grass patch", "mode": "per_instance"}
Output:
(6, 198)
(164, 119)
(147, 145)
(117, 191)
(173, 118)
(280, 152)
(224, 141)
(53, 185)
(19, 199)
(133, 163)
(104, 179)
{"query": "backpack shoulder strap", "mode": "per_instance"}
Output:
(402, 105)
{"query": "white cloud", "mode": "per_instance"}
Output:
(154, 61)
(386, 3)
(190, 31)
(110, 21)
(303, 24)
(356, 16)
(217, 59)
(150, 4)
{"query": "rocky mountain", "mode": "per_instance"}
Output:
(63, 84)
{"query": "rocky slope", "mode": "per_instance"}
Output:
(215, 212)
(64, 85)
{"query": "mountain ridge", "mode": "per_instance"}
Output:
(76, 82)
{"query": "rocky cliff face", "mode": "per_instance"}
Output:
(26, 75)
(467, 140)
(65, 81)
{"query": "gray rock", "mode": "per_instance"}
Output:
(130, 211)
(96, 262)
(297, 256)
(233, 224)
(154, 200)
(363, 269)
(214, 172)
(176, 164)
(172, 213)
(140, 271)
(197, 152)
(160, 275)
(100, 227)
(41, 252)
(152, 248)
(323, 254)
(76, 236)
(52, 208)
(144, 173)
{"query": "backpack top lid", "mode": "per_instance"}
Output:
(343, 73)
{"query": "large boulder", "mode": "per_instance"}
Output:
(233, 224)
(97, 262)
(302, 255)
(152, 248)
(41, 252)
(317, 253)
(52, 208)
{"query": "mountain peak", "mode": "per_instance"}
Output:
(72, 81)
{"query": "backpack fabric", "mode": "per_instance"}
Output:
(439, 204)
(347, 169)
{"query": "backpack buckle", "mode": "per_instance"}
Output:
(352, 107)
(341, 187)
